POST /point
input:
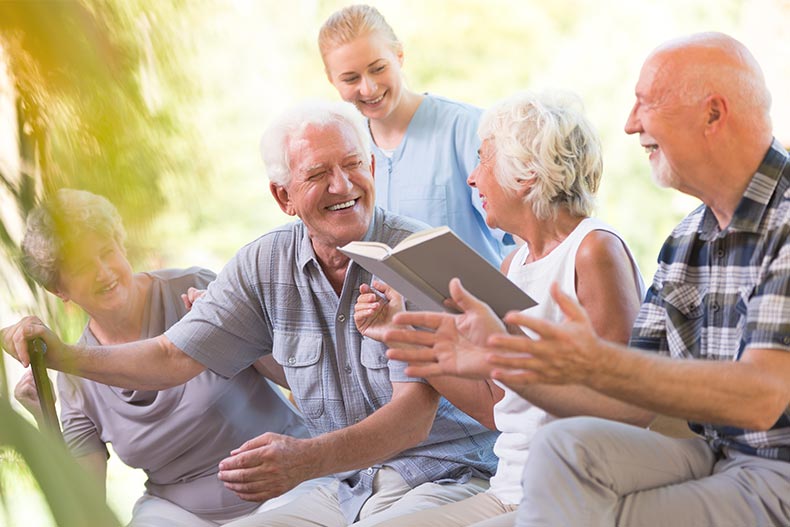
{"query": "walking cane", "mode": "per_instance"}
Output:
(46, 396)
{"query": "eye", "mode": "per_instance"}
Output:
(378, 69)
(350, 80)
(315, 176)
(353, 165)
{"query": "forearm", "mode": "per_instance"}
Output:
(400, 424)
(736, 393)
(476, 398)
(151, 364)
(573, 400)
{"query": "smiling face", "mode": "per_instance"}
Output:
(331, 188)
(499, 203)
(95, 275)
(670, 129)
(367, 72)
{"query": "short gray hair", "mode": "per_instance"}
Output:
(545, 137)
(293, 122)
(61, 220)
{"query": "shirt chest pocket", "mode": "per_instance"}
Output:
(376, 371)
(685, 316)
(426, 203)
(300, 356)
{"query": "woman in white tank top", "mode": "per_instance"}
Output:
(540, 167)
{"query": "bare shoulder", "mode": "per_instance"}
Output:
(601, 247)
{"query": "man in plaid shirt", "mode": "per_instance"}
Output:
(712, 340)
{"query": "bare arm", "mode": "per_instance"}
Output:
(606, 288)
(151, 364)
(751, 393)
(272, 464)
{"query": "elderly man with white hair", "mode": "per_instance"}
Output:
(394, 445)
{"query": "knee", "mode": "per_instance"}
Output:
(564, 437)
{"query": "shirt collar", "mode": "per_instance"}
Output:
(749, 213)
(304, 249)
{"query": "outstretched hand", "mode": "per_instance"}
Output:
(453, 344)
(267, 466)
(565, 353)
(375, 309)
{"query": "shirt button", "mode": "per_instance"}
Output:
(348, 368)
(341, 317)
(720, 253)
(714, 306)
(291, 360)
(786, 340)
(370, 471)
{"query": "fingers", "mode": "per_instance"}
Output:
(423, 319)
(410, 337)
(463, 298)
(256, 442)
(543, 328)
(411, 355)
(15, 338)
(571, 308)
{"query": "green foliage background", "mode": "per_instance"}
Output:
(160, 105)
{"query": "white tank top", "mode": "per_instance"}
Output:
(516, 418)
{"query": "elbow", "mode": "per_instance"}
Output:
(767, 417)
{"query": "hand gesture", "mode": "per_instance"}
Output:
(455, 345)
(191, 296)
(267, 466)
(566, 353)
(375, 309)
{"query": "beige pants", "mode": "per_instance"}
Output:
(482, 510)
(150, 511)
(392, 497)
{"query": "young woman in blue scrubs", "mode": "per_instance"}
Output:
(425, 146)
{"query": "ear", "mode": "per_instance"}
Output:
(524, 187)
(280, 194)
(400, 57)
(373, 166)
(60, 294)
(716, 113)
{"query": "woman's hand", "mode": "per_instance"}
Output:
(375, 308)
(25, 392)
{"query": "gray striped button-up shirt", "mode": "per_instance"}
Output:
(273, 297)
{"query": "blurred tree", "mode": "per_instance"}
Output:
(84, 84)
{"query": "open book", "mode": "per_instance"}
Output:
(421, 267)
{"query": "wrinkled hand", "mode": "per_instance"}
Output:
(372, 314)
(15, 340)
(191, 296)
(25, 392)
(565, 353)
(455, 344)
(267, 466)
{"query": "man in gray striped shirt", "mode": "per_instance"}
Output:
(393, 444)
(712, 341)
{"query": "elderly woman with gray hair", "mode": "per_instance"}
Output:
(540, 167)
(74, 248)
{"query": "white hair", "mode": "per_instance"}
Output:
(545, 138)
(292, 123)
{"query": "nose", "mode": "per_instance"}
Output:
(340, 183)
(472, 179)
(633, 124)
(367, 86)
